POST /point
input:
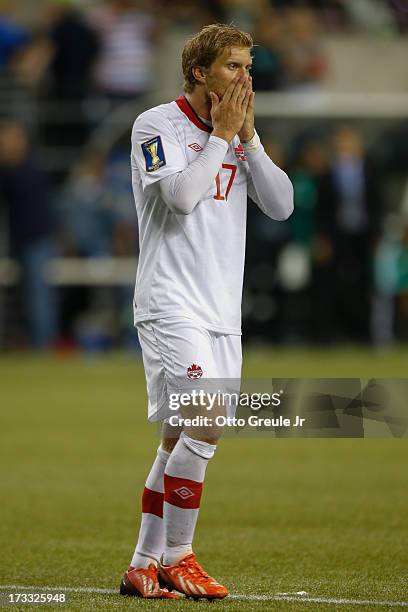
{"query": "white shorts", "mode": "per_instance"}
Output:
(176, 349)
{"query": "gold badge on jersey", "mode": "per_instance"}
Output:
(154, 154)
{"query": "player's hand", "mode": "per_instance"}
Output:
(248, 127)
(228, 115)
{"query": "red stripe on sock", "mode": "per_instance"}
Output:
(152, 502)
(182, 492)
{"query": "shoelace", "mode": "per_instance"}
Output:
(192, 568)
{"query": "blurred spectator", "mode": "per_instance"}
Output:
(96, 208)
(390, 306)
(331, 13)
(191, 15)
(23, 54)
(349, 210)
(118, 186)
(282, 4)
(310, 165)
(301, 281)
(13, 39)
(389, 280)
(402, 313)
(25, 191)
(242, 13)
(74, 51)
(126, 31)
(84, 212)
(399, 10)
(265, 239)
(306, 61)
(268, 53)
(372, 15)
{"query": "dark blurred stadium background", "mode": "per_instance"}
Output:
(332, 110)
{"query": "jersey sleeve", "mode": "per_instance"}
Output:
(156, 149)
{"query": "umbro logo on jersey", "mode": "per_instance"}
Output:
(194, 371)
(239, 152)
(195, 146)
(184, 492)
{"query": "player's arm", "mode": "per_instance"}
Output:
(182, 191)
(160, 158)
(268, 186)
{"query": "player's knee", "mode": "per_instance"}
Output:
(202, 423)
(169, 435)
(202, 448)
(167, 444)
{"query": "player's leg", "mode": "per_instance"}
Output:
(194, 449)
(186, 467)
(150, 544)
(183, 483)
(185, 470)
(183, 343)
(141, 578)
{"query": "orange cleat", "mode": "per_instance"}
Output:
(141, 582)
(189, 578)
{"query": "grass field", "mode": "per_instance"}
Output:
(328, 517)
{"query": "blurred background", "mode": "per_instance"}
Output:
(332, 110)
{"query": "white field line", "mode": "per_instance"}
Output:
(296, 597)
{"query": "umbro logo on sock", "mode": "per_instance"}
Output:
(184, 492)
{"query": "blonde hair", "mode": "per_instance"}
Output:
(204, 48)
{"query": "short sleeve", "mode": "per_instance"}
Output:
(156, 149)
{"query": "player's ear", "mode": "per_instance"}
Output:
(199, 74)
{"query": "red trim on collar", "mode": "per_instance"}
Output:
(185, 106)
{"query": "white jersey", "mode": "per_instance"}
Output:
(189, 265)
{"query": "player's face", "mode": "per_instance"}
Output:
(232, 62)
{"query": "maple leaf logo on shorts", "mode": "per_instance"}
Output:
(194, 371)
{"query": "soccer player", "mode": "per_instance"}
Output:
(194, 162)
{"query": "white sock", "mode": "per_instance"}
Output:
(150, 544)
(183, 482)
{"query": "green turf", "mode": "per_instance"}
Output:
(325, 516)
